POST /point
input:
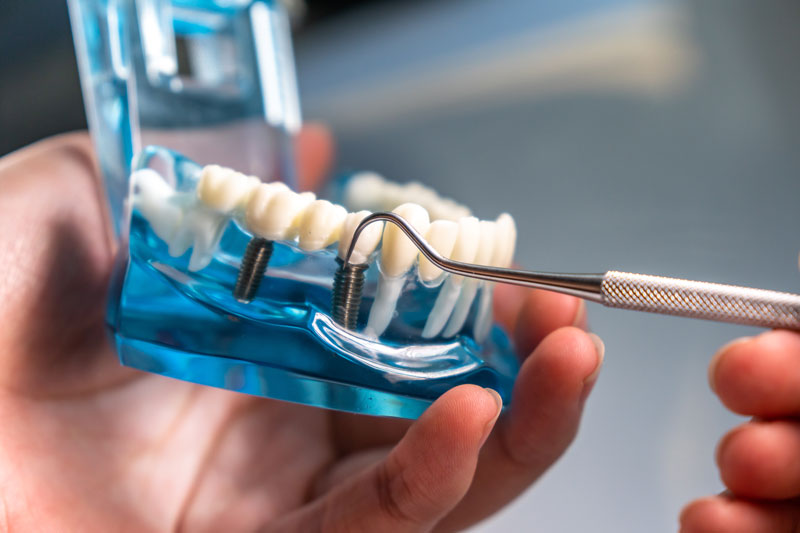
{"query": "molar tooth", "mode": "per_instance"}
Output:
(224, 189)
(321, 225)
(441, 235)
(465, 248)
(275, 214)
(470, 289)
(367, 241)
(153, 198)
(397, 256)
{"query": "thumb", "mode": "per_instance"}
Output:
(421, 479)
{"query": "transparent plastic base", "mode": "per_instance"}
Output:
(169, 320)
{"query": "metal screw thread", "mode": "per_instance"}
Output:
(254, 265)
(348, 284)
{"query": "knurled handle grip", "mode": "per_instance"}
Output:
(698, 299)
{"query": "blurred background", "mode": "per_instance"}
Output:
(652, 136)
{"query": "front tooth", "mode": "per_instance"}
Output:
(368, 239)
(441, 235)
(275, 216)
(321, 225)
(507, 234)
(398, 252)
(224, 189)
(464, 250)
(397, 256)
(482, 257)
(505, 241)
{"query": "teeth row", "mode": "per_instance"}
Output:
(370, 191)
(274, 212)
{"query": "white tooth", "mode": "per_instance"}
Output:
(278, 217)
(507, 232)
(367, 241)
(224, 189)
(397, 256)
(364, 190)
(464, 250)
(321, 225)
(398, 252)
(470, 289)
(207, 228)
(505, 241)
(153, 199)
(441, 235)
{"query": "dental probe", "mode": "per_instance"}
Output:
(638, 292)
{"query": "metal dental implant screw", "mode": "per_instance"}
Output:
(348, 283)
(254, 265)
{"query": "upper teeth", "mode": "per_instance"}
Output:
(368, 190)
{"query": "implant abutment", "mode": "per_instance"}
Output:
(254, 266)
(348, 286)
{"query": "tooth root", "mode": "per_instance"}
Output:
(482, 257)
(442, 307)
(502, 256)
(384, 305)
(398, 254)
(441, 235)
(464, 250)
(153, 199)
(321, 225)
(484, 317)
(207, 228)
(367, 241)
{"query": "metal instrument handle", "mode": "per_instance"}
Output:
(699, 299)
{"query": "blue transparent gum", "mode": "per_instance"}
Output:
(284, 344)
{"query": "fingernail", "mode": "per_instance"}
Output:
(589, 381)
(600, 348)
(580, 320)
(712, 365)
(499, 403)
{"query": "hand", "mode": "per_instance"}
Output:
(89, 445)
(758, 461)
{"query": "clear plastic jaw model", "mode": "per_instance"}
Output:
(240, 284)
(227, 281)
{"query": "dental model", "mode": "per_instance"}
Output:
(271, 212)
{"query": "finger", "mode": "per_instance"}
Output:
(424, 476)
(545, 411)
(721, 514)
(759, 459)
(544, 312)
(759, 376)
(314, 149)
(55, 255)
